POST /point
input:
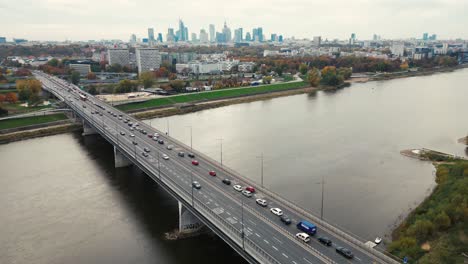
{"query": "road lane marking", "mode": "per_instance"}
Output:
(278, 240)
(308, 260)
(266, 241)
(257, 234)
(294, 262)
(252, 222)
(275, 248)
(286, 256)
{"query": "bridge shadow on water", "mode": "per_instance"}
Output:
(153, 212)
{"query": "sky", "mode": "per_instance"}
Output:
(118, 19)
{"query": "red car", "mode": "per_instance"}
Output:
(213, 173)
(250, 189)
(150, 136)
(195, 162)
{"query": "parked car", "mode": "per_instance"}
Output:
(181, 154)
(250, 189)
(261, 202)
(227, 181)
(285, 219)
(304, 237)
(345, 252)
(191, 155)
(212, 173)
(237, 188)
(195, 162)
(247, 193)
(276, 211)
(196, 185)
(325, 241)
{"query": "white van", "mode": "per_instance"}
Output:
(304, 237)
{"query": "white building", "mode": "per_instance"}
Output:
(83, 69)
(148, 59)
(246, 66)
(398, 49)
(118, 56)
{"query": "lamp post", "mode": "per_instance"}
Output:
(159, 167)
(261, 168)
(190, 137)
(167, 121)
(242, 223)
(221, 141)
(323, 189)
(191, 184)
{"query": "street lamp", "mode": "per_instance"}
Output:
(191, 184)
(190, 137)
(261, 168)
(323, 187)
(167, 120)
(221, 141)
(242, 222)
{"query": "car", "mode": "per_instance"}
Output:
(120, 115)
(304, 237)
(247, 193)
(125, 121)
(169, 147)
(191, 155)
(285, 219)
(150, 136)
(84, 106)
(195, 162)
(122, 133)
(181, 154)
(212, 173)
(144, 132)
(276, 211)
(165, 157)
(261, 202)
(196, 185)
(144, 154)
(155, 138)
(147, 150)
(227, 181)
(100, 114)
(131, 135)
(325, 241)
(156, 135)
(345, 252)
(129, 124)
(237, 187)
(134, 143)
(131, 129)
(92, 112)
(250, 189)
(120, 118)
(161, 141)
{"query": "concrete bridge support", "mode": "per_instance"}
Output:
(120, 159)
(88, 130)
(188, 223)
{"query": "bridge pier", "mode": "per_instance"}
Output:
(120, 159)
(188, 223)
(88, 130)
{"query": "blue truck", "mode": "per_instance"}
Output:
(307, 227)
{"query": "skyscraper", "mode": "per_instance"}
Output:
(317, 41)
(182, 32)
(425, 36)
(227, 32)
(170, 37)
(212, 33)
(273, 37)
(133, 38)
(260, 34)
(203, 36)
(238, 35)
(160, 38)
(194, 37)
(151, 35)
(248, 37)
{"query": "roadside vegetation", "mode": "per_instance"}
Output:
(33, 120)
(437, 230)
(211, 95)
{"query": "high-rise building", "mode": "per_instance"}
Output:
(425, 36)
(170, 37)
(194, 37)
(212, 33)
(248, 37)
(182, 33)
(273, 37)
(148, 59)
(317, 41)
(151, 35)
(433, 37)
(2, 40)
(238, 35)
(352, 40)
(118, 56)
(133, 38)
(160, 38)
(257, 34)
(227, 32)
(203, 36)
(280, 38)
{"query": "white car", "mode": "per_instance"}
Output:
(156, 135)
(237, 188)
(169, 147)
(247, 193)
(165, 157)
(261, 202)
(155, 138)
(131, 135)
(303, 236)
(276, 211)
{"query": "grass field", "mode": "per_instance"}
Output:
(4, 91)
(27, 121)
(211, 95)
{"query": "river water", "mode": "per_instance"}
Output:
(63, 202)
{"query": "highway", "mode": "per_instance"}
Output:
(248, 224)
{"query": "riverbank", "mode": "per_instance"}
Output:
(437, 230)
(39, 132)
(422, 72)
(9, 124)
(463, 140)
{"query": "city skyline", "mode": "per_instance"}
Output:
(76, 21)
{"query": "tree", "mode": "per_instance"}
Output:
(91, 76)
(92, 90)
(404, 66)
(303, 69)
(2, 98)
(147, 79)
(345, 72)
(313, 77)
(23, 72)
(115, 68)
(53, 62)
(11, 98)
(75, 77)
(177, 85)
(28, 87)
(3, 112)
(330, 76)
(267, 79)
(421, 229)
(126, 86)
(442, 221)
(34, 99)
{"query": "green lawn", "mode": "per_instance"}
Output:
(211, 95)
(4, 91)
(18, 109)
(26, 121)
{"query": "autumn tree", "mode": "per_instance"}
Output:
(11, 98)
(313, 77)
(177, 85)
(27, 88)
(91, 76)
(2, 98)
(267, 79)
(404, 66)
(303, 69)
(147, 79)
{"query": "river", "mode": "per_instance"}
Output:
(63, 202)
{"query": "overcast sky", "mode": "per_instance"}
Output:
(118, 19)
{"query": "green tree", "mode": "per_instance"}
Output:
(34, 99)
(442, 221)
(303, 69)
(421, 229)
(53, 62)
(267, 79)
(345, 72)
(115, 68)
(177, 85)
(147, 79)
(126, 86)
(92, 90)
(75, 77)
(313, 77)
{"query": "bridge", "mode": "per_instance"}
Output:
(252, 230)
